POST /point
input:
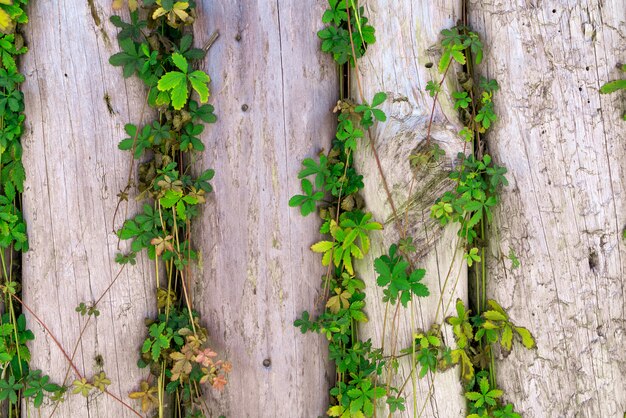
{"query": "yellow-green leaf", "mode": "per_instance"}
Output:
(496, 307)
(180, 62)
(494, 316)
(527, 337)
(326, 258)
(467, 368)
(490, 325)
(335, 411)
(347, 262)
(176, 83)
(5, 20)
(507, 337)
(322, 246)
(158, 13)
(199, 81)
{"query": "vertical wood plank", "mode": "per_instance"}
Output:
(74, 171)
(273, 91)
(563, 213)
(407, 35)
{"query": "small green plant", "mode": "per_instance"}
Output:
(87, 310)
(515, 263)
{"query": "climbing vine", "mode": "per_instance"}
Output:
(477, 182)
(17, 379)
(333, 192)
(157, 47)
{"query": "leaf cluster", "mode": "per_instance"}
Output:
(457, 43)
(349, 240)
(12, 13)
(397, 279)
(12, 174)
(475, 335)
(181, 347)
(90, 310)
(161, 56)
(333, 173)
(430, 352)
(484, 401)
(475, 195)
(82, 386)
(342, 18)
(357, 361)
(15, 358)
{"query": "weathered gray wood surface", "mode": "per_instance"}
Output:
(563, 212)
(406, 33)
(74, 171)
(258, 273)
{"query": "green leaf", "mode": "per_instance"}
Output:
(494, 316)
(129, 230)
(379, 98)
(444, 61)
(180, 62)
(458, 56)
(199, 81)
(527, 338)
(170, 198)
(613, 86)
(308, 200)
(176, 83)
(126, 144)
(322, 246)
(432, 88)
(507, 337)
(379, 115)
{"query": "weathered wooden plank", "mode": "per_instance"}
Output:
(273, 92)
(74, 171)
(563, 212)
(407, 34)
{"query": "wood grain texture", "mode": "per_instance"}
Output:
(258, 273)
(74, 171)
(407, 37)
(564, 145)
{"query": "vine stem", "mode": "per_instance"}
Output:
(399, 227)
(67, 357)
(369, 132)
(130, 175)
(84, 328)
